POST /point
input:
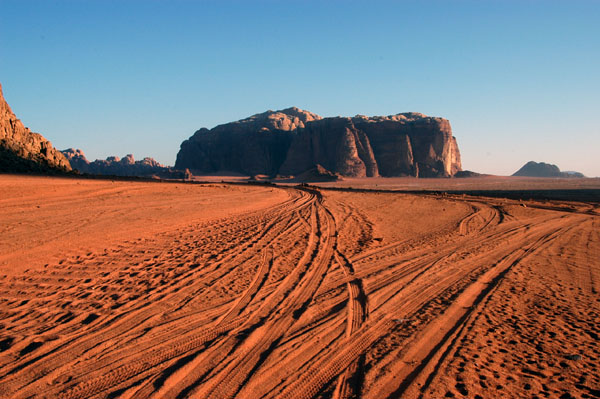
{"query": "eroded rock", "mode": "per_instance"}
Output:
(292, 141)
(21, 150)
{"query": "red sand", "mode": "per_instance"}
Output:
(139, 290)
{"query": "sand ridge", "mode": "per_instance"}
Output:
(268, 292)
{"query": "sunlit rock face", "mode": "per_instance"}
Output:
(21, 150)
(408, 144)
(292, 141)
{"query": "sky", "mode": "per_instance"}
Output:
(518, 80)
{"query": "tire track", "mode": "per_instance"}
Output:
(330, 365)
(275, 303)
(427, 352)
(262, 340)
(348, 384)
(136, 318)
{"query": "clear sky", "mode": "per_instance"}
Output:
(518, 80)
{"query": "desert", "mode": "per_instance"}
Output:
(141, 289)
(299, 199)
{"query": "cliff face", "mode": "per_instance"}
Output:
(399, 145)
(292, 141)
(24, 151)
(126, 166)
(255, 145)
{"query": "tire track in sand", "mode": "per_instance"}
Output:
(348, 384)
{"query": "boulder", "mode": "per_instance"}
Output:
(316, 174)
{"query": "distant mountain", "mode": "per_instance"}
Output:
(126, 166)
(572, 173)
(542, 169)
(468, 173)
(293, 141)
(24, 151)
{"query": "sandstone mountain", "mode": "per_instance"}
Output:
(255, 145)
(24, 151)
(292, 141)
(542, 169)
(126, 166)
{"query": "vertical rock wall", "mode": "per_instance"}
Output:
(292, 141)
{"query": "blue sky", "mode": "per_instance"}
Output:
(518, 80)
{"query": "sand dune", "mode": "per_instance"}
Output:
(156, 290)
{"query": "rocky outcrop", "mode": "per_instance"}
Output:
(409, 144)
(24, 151)
(315, 175)
(77, 159)
(256, 145)
(468, 173)
(572, 173)
(334, 143)
(292, 141)
(127, 166)
(542, 169)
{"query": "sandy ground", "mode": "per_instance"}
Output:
(166, 290)
(466, 184)
(47, 219)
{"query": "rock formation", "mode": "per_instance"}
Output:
(292, 141)
(255, 145)
(542, 169)
(24, 151)
(315, 175)
(399, 145)
(468, 173)
(77, 160)
(126, 166)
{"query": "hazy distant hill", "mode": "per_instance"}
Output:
(542, 169)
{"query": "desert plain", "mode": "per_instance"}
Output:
(136, 289)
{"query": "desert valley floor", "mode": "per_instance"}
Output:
(125, 289)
